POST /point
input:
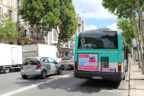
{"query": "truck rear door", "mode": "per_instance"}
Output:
(14, 55)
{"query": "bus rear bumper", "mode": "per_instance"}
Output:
(115, 76)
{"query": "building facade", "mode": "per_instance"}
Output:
(28, 34)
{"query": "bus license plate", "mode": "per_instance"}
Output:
(96, 77)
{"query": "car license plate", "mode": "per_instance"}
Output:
(96, 77)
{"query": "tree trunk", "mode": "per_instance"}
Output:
(59, 39)
(140, 40)
(141, 18)
(58, 44)
(42, 35)
(136, 37)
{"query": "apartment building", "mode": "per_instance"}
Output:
(28, 34)
(52, 37)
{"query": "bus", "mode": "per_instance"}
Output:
(100, 55)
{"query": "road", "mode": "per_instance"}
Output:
(59, 85)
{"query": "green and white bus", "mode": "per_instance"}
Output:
(100, 55)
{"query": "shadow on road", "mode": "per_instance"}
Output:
(80, 85)
(36, 79)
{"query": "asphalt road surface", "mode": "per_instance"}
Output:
(11, 84)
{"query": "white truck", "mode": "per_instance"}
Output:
(44, 50)
(10, 57)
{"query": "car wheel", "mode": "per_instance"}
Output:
(59, 71)
(43, 74)
(7, 70)
(24, 76)
(71, 68)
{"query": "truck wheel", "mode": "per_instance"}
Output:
(24, 76)
(43, 74)
(59, 71)
(2, 71)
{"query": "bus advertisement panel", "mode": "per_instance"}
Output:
(88, 62)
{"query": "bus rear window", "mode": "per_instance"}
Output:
(98, 40)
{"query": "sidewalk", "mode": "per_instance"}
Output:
(136, 80)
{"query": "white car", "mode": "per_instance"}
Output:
(67, 63)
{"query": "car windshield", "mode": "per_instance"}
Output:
(67, 58)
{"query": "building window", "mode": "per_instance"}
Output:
(66, 46)
(24, 33)
(0, 12)
(54, 35)
(31, 34)
(10, 13)
(10, 2)
(79, 28)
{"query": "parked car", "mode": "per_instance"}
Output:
(67, 63)
(40, 66)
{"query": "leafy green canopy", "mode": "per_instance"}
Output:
(8, 29)
(127, 33)
(44, 13)
(48, 14)
(124, 9)
(68, 25)
(121, 8)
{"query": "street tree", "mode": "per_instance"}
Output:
(127, 9)
(49, 14)
(8, 29)
(68, 25)
(125, 26)
(140, 8)
(42, 15)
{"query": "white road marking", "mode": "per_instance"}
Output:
(35, 85)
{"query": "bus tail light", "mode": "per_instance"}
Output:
(119, 67)
(76, 66)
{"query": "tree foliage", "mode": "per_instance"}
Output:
(8, 29)
(68, 24)
(128, 9)
(44, 14)
(49, 14)
(127, 33)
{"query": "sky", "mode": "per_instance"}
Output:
(95, 15)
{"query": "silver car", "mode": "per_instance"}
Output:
(39, 66)
(67, 63)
